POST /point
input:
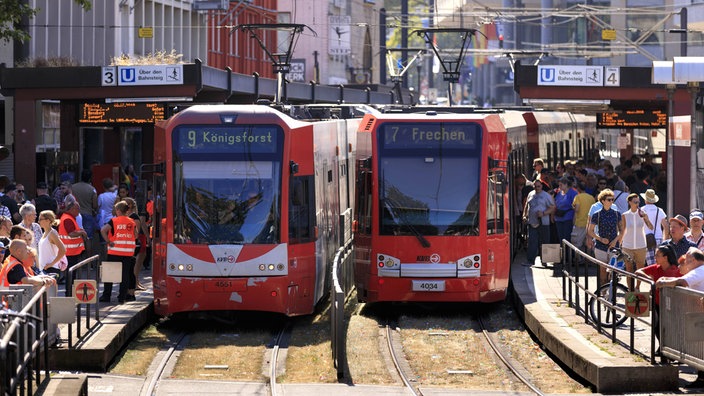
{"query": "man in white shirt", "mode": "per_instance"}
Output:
(693, 278)
(695, 234)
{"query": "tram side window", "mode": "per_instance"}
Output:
(159, 205)
(301, 214)
(495, 202)
(363, 197)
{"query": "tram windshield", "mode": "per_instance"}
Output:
(429, 179)
(227, 194)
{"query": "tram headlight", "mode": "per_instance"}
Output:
(471, 263)
(386, 263)
(271, 267)
(189, 267)
(181, 267)
(280, 267)
(262, 267)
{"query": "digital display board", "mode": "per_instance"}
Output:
(415, 135)
(230, 139)
(120, 113)
(638, 118)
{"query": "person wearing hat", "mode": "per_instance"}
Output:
(633, 227)
(658, 219)
(43, 201)
(678, 226)
(695, 234)
(536, 213)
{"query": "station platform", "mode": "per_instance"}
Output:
(608, 367)
(537, 294)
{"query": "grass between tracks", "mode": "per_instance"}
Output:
(135, 360)
(227, 356)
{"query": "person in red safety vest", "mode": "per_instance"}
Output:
(15, 272)
(120, 234)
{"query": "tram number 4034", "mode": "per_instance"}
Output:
(429, 285)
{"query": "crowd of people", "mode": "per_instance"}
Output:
(597, 207)
(42, 238)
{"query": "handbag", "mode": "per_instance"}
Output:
(62, 264)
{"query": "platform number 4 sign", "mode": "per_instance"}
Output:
(612, 77)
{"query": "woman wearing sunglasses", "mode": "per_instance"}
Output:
(605, 227)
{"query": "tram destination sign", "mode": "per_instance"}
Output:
(120, 113)
(638, 118)
(405, 135)
(215, 139)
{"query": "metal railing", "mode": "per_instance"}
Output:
(343, 282)
(88, 271)
(24, 347)
(681, 322)
(579, 286)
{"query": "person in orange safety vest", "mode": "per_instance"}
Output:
(120, 233)
(15, 272)
(72, 236)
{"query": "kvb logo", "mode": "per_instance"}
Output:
(547, 74)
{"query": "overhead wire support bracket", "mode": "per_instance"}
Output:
(281, 60)
(450, 67)
(396, 74)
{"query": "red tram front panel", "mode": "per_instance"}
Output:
(431, 208)
(223, 202)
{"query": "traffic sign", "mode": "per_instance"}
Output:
(85, 291)
(637, 304)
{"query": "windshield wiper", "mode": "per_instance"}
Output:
(424, 242)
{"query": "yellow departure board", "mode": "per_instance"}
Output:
(120, 113)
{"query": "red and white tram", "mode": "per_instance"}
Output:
(247, 209)
(431, 208)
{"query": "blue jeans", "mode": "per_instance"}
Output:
(564, 230)
(89, 225)
(536, 237)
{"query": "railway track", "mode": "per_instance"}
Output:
(468, 329)
(277, 361)
(402, 367)
(164, 359)
(510, 364)
(164, 362)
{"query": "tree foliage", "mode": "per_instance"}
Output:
(12, 12)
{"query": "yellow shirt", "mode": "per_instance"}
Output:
(582, 202)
